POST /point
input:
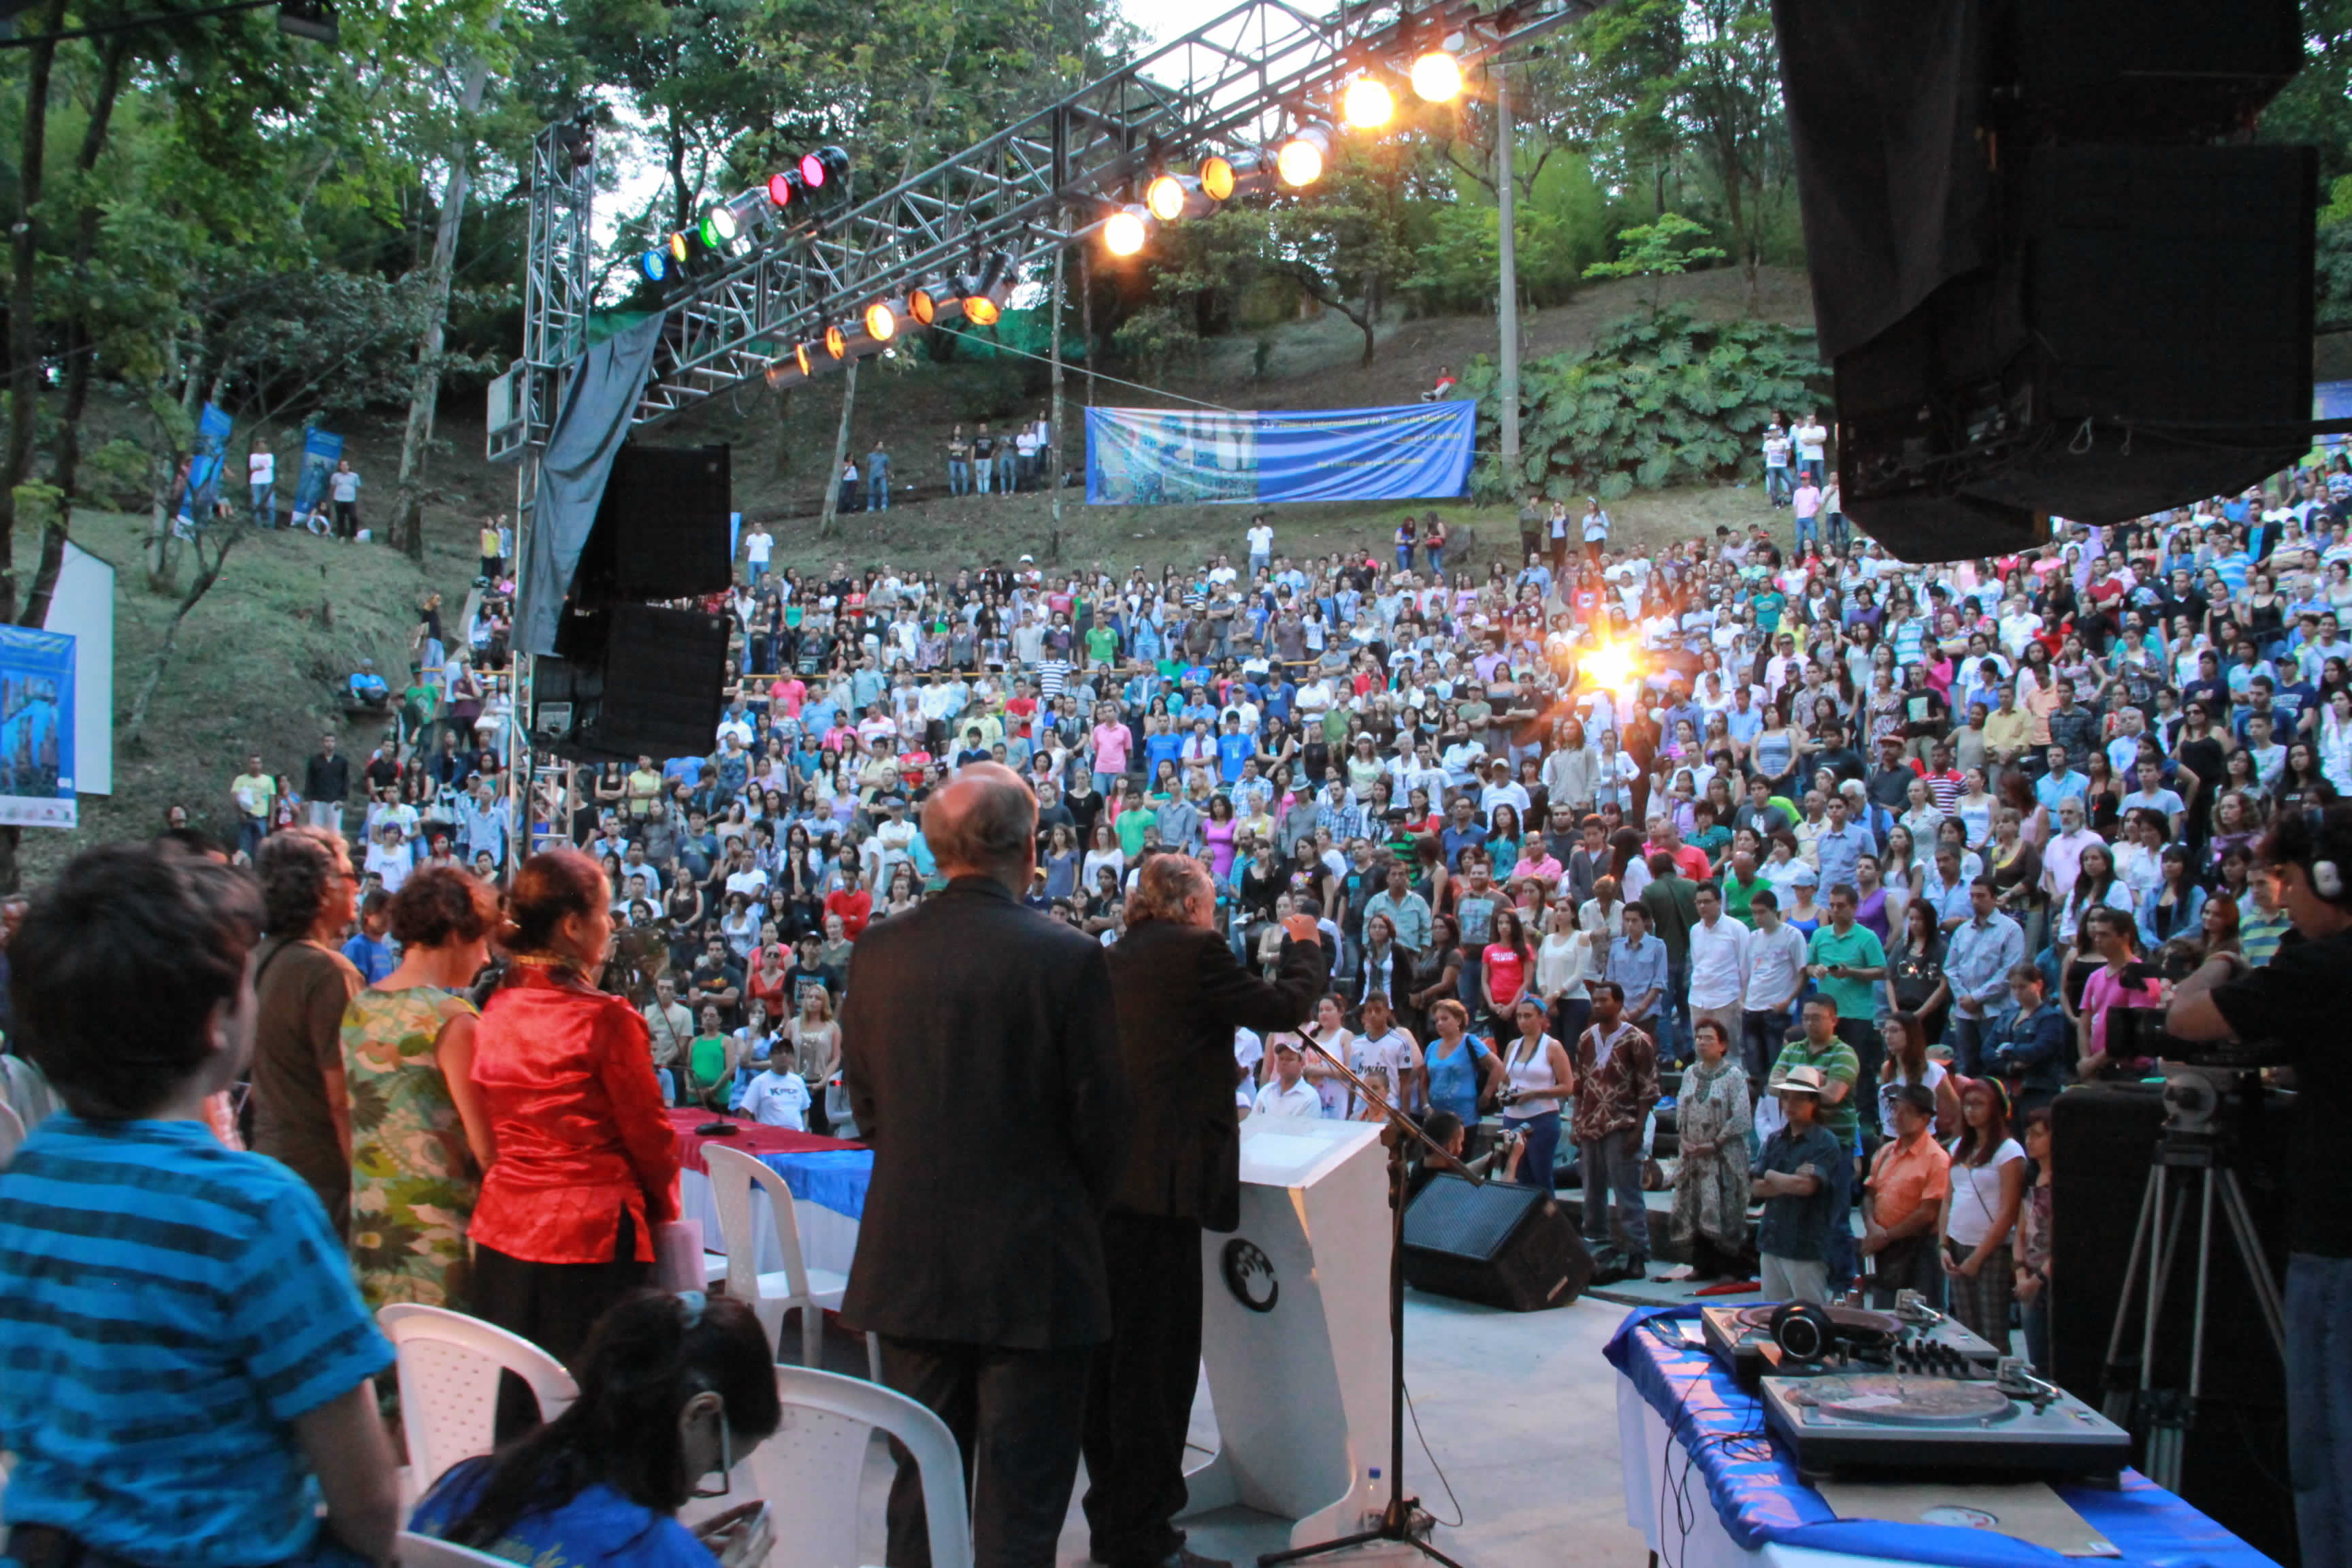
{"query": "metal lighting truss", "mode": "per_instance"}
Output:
(1242, 80)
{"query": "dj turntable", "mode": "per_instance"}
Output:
(1913, 1338)
(1849, 1422)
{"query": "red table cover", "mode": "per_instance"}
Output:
(751, 1137)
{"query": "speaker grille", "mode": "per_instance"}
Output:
(1454, 1217)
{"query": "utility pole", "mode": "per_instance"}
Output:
(1054, 424)
(1508, 309)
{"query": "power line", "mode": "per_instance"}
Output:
(1097, 374)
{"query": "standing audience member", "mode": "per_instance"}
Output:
(586, 1164)
(981, 1052)
(1793, 1181)
(420, 1138)
(1987, 1182)
(1904, 1200)
(1616, 1072)
(2032, 1283)
(194, 1366)
(301, 1104)
(1713, 1122)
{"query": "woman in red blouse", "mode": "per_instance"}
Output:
(587, 1161)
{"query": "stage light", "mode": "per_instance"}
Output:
(784, 187)
(1300, 161)
(1126, 230)
(719, 227)
(1437, 77)
(677, 244)
(654, 264)
(792, 368)
(1165, 198)
(982, 296)
(1367, 104)
(825, 166)
(881, 322)
(836, 343)
(1244, 174)
(1610, 665)
(982, 311)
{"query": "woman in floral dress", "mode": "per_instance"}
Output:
(1711, 1121)
(419, 1139)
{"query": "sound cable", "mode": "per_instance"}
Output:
(1455, 1522)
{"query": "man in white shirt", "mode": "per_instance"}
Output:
(1718, 963)
(1775, 955)
(758, 545)
(1813, 447)
(779, 1097)
(1261, 545)
(261, 476)
(1287, 1093)
(1776, 444)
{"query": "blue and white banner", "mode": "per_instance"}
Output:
(37, 727)
(213, 426)
(321, 450)
(1162, 456)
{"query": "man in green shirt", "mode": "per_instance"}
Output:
(1819, 1047)
(1740, 885)
(255, 793)
(1847, 962)
(1102, 646)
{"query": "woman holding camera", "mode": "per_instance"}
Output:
(2112, 937)
(1538, 1071)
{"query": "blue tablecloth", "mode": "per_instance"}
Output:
(833, 1179)
(1757, 1495)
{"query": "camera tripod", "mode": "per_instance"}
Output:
(1397, 1519)
(2190, 1162)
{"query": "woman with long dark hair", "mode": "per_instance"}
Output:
(673, 1389)
(586, 1161)
(1987, 1182)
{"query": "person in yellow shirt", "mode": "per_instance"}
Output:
(2009, 731)
(493, 555)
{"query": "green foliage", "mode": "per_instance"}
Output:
(1664, 247)
(1565, 224)
(1656, 401)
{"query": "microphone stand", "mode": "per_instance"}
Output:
(1396, 1520)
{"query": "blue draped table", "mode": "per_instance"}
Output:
(1711, 1489)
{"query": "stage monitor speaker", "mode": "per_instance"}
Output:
(661, 530)
(2104, 1138)
(631, 680)
(1500, 1244)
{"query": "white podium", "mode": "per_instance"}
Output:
(1295, 1330)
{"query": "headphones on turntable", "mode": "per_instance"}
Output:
(1804, 1331)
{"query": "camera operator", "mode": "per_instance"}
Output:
(2294, 1008)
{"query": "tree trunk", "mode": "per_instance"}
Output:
(24, 332)
(408, 514)
(81, 349)
(208, 574)
(828, 524)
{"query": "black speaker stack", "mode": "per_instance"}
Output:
(1500, 1244)
(2049, 270)
(2104, 1137)
(631, 678)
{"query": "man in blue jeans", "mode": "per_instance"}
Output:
(877, 480)
(1617, 1086)
(2294, 1007)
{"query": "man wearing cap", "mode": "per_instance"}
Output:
(1836, 1069)
(1792, 1179)
(1287, 1092)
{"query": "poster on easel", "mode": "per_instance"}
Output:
(37, 729)
(213, 426)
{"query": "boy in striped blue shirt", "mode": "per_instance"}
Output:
(186, 1370)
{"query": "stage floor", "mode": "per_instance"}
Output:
(1520, 1409)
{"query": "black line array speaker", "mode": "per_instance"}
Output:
(2049, 271)
(661, 527)
(2103, 1140)
(1500, 1244)
(631, 680)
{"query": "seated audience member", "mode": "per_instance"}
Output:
(368, 688)
(190, 1375)
(777, 1096)
(674, 1389)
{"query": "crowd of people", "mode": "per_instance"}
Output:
(1852, 865)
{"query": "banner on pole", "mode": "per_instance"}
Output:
(213, 426)
(321, 450)
(37, 727)
(1162, 456)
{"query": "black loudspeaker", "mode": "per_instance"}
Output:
(2103, 1140)
(1500, 1244)
(631, 680)
(2040, 292)
(661, 527)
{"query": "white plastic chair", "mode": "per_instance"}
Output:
(809, 1472)
(414, 1551)
(449, 1367)
(12, 1134)
(796, 1286)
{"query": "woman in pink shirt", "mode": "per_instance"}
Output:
(1112, 742)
